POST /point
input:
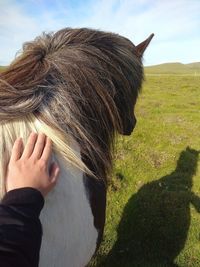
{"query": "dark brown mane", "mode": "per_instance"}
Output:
(81, 81)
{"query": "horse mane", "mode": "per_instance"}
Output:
(76, 83)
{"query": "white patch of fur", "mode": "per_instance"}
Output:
(69, 236)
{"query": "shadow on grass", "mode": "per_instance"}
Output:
(156, 220)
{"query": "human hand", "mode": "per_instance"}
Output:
(28, 167)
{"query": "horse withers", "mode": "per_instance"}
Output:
(79, 87)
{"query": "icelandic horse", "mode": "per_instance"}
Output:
(79, 87)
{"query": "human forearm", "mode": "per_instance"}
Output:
(20, 227)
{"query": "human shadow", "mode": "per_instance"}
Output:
(156, 220)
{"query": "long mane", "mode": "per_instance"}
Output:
(76, 83)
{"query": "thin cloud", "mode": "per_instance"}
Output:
(17, 26)
(175, 23)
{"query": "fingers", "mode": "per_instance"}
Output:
(54, 172)
(16, 150)
(29, 147)
(47, 150)
(53, 178)
(39, 146)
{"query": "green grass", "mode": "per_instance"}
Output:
(174, 68)
(153, 212)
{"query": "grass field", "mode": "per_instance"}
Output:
(153, 212)
(175, 68)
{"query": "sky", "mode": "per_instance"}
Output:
(175, 23)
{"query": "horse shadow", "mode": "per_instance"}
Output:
(155, 222)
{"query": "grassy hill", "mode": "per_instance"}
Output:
(195, 65)
(174, 68)
(2, 68)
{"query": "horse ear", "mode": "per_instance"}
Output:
(142, 46)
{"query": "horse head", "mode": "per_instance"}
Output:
(79, 82)
(79, 87)
(126, 104)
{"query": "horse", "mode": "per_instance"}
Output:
(79, 87)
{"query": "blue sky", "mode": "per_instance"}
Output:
(176, 24)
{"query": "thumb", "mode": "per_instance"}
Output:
(54, 172)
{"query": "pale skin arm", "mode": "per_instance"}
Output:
(28, 167)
